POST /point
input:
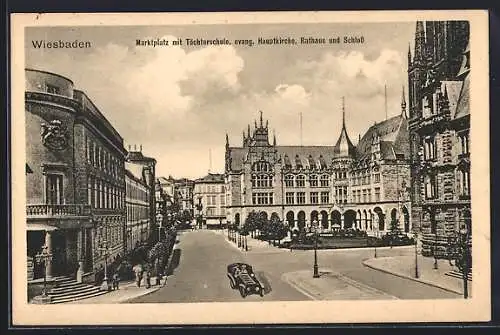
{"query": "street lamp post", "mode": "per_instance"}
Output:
(44, 257)
(315, 267)
(464, 265)
(435, 249)
(376, 238)
(416, 255)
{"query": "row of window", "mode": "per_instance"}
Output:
(341, 194)
(431, 185)
(365, 178)
(210, 189)
(99, 157)
(262, 198)
(215, 211)
(299, 198)
(262, 181)
(137, 193)
(137, 212)
(300, 181)
(101, 194)
(360, 196)
(211, 200)
(430, 148)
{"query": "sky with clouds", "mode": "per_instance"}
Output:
(180, 101)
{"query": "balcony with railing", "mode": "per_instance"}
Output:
(57, 211)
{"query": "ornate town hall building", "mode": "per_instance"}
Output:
(438, 76)
(339, 186)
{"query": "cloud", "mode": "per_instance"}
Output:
(294, 94)
(178, 103)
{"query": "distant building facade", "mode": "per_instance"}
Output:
(210, 192)
(75, 183)
(145, 168)
(340, 186)
(138, 203)
(438, 76)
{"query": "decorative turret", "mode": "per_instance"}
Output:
(261, 134)
(429, 36)
(227, 141)
(409, 55)
(344, 146)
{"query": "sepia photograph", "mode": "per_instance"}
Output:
(250, 168)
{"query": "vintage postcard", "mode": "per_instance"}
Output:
(246, 168)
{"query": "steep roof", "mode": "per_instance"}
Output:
(292, 156)
(138, 156)
(211, 178)
(463, 100)
(393, 134)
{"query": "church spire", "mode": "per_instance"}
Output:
(409, 55)
(274, 137)
(343, 113)
(261, 122)
(420, 44)
(403, 103)
(227, 141)
(248, 134)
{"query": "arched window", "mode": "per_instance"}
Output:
(289, 180)
(261, 167)
(430, 187)
(301, 181)
(313, 180)
(325, 180)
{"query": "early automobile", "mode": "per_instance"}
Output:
(242, 278)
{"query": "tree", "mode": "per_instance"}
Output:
(249, 224)
(261, 221)
(277, 229)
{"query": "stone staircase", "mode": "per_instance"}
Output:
(68, 289)
(457, 274)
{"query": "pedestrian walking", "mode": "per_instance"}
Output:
(158, 278)
(165, 277)
(148, 279)
(116, 281)
(138, 274)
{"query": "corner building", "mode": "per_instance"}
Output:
(75, 183)
(341, 186)
(438, 76)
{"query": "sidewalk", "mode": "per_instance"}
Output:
(404, 266)
(332, 286)
(254, 245)
(128, 290)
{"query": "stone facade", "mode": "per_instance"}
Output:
(69, 191)
(341, 186)
(438, 75)
(138, 209)
(210, 193)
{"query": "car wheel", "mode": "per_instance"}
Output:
(242, 292)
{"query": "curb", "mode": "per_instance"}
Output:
(411, 278)
(285, 278)
(125, 300)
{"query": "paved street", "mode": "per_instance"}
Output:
(201, 273)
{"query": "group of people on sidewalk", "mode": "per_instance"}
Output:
(141, 273)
